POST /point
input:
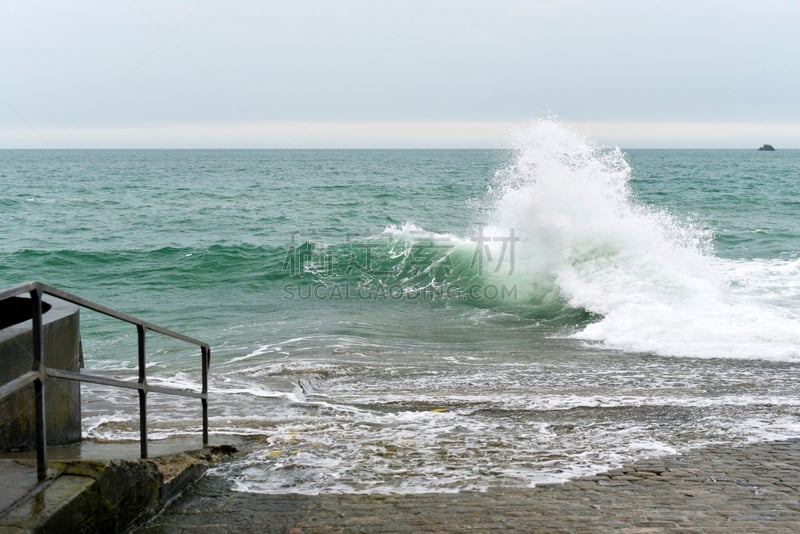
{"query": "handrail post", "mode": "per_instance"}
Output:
(206, 355)
(38, 383)
(142, 393)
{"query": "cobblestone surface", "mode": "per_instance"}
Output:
(755, 488)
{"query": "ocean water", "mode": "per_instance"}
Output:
(430, 320)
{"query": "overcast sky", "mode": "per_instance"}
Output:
(372, 73)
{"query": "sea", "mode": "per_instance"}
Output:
(404, 321)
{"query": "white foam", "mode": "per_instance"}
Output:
(411, 452)
(651, 276)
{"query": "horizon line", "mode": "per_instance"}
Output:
(358, 148)
(402, 135)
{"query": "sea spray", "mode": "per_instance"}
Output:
(650, 276)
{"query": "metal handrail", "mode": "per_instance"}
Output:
(39, 372)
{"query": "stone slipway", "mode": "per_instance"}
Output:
(95, 495)
(753, 488)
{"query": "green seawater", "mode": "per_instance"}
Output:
(750, 202)
(430, 320)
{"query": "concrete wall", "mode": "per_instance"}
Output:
(62, 350)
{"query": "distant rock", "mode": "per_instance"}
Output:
(767, 147)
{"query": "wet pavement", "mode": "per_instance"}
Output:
(753, 488)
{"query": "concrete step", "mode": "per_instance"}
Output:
(57, 500)
(97, 487)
